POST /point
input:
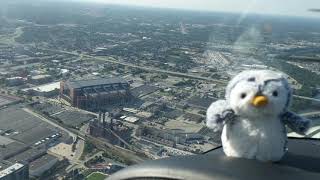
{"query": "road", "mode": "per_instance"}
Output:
(80, 145)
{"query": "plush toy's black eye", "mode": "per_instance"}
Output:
(252, 79)
(275, 93)
(243, 95)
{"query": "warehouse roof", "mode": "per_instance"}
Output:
(95, 82)
(143, 90)
(28, 155)
(42, 161)
(11, 149)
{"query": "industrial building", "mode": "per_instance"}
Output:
(95, 94)
(112, 130)
(168, 137)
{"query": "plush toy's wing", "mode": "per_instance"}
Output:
(218, 114)
(295, 122)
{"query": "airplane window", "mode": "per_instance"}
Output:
(89, 87)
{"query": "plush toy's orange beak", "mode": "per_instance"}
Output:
(259, 101)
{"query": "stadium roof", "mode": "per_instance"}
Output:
(95, 82)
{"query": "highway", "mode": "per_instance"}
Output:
(150, 69)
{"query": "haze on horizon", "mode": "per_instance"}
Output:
(273, 7)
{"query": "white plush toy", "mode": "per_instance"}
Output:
(254, 114)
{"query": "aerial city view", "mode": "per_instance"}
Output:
(88, 89)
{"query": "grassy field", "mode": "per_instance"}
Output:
(96, 176)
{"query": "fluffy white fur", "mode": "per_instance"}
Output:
(216, 108)
(254, 132)
(263, 139)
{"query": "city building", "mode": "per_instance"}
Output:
(15, 81)
(168, 137)
(95, 93)
(42, 164)
(45, 90)
(107, 168)
(13, 171)
(40, 79)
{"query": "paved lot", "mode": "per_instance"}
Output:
(6, 100)
(62, 150)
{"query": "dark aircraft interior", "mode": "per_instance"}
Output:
(301, 162)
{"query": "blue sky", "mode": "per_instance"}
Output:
(282, 7)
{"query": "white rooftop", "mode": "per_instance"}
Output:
(10, 169)
(132, 110)
(41, 76)
(45, 87)
(131, 119)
